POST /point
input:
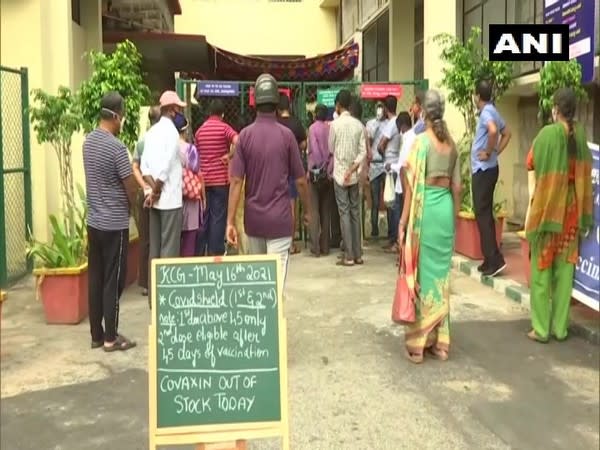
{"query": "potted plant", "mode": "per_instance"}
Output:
(61, 264)
(119, 71)
(553, 76)
(466, 64)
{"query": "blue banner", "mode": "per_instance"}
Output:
(586, 286)
(580, 16)
(218, 89)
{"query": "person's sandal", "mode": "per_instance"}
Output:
(345, 263)
(534, 337)
(436, 353)
(412, 357)
(96, 344)
(359, 261)
(120, 344)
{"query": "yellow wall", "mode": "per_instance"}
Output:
(508, 108)
(50, 49)
(260, 27)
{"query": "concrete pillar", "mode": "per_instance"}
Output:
(440, 16)
(57, 70)
(91, 22)
(402, 39)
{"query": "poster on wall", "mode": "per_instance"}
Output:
(580, 16)
(586, 285)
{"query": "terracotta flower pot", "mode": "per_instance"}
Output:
(64, 294)
(467, 236)
(133, 258)
(525, 256)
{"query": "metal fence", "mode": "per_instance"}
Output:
(238, 109)
(15, 174)
(304, 96)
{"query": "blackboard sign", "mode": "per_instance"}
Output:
(216, 335)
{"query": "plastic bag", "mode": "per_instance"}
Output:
(389, 191)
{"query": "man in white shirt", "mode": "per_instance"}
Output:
(390, 147)
(376, 174)
(162, 169)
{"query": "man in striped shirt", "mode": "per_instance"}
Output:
(111, 190)
(215, 141)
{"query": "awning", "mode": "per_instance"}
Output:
(335, 66)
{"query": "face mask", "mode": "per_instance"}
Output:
(379, 113)
(178, 116)
(122, 123)
(554, 115)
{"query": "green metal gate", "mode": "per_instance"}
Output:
(238, 111)
(15, 176)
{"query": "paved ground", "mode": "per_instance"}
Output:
(349, 385)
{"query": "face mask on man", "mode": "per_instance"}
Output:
(554, 115)
(379, 113)
(178, 116)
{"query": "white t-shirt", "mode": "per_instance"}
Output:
(161, 161)
(408, 139)
(391, 133)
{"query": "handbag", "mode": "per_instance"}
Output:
(192, 185)
(389, 191)
(318, 174)
(403, 307)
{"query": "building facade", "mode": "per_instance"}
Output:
(59, 34)
(396, 44)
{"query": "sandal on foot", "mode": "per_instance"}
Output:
(96, 344)
(145, 292)
(359, 261)
(436, 353)
(345, 263)
(120, 344)
(534, 337)
(412, 357)
(294, 250)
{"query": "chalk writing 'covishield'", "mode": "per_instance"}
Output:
(201, 298)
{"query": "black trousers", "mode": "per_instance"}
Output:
(107, 270)
(321, 201)
(483, 185)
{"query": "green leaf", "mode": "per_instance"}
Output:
(119, 71)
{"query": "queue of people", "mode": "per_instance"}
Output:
(193, 193)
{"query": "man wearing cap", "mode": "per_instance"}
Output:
(162, 169)
(266, 155)
(111, 189)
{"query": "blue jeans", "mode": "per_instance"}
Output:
(217, 198)
(376, 190)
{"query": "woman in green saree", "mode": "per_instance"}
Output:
(431, 184)
(559, 212)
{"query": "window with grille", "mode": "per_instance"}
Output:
(481, 13)
(76, 11)
(376, 41)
